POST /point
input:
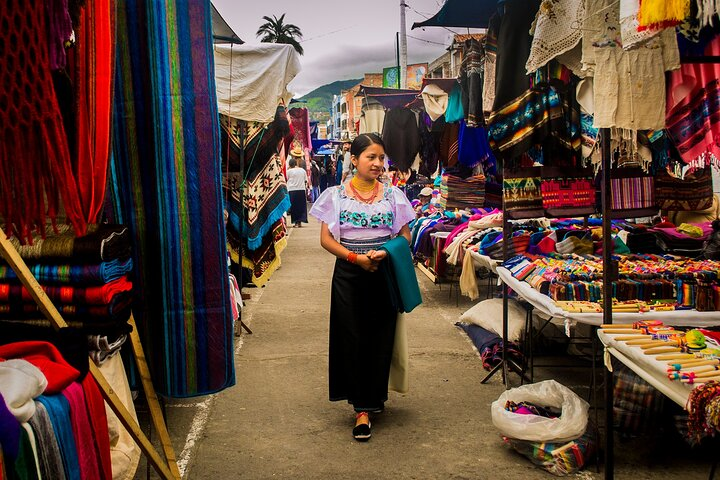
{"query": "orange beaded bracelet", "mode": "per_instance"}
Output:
(352, 257)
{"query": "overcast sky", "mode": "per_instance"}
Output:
(343, 39)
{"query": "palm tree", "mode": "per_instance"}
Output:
(274, 30)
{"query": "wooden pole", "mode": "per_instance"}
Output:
(46, 306)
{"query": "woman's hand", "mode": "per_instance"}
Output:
(367, 263)
(377, 255)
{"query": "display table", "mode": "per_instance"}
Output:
(689, 318)
(647, 367)
(483, 261)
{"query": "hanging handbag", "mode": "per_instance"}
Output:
(567, 193)
(632, 189)
(692, 193)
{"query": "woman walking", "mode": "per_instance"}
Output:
(357, 218)
(297, 184)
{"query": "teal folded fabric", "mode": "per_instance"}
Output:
(400, 275)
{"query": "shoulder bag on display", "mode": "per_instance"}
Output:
(692, 193)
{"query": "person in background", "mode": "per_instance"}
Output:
(297, 184)
(347, 165)
(357, 218)
(314, 180)
(424, 201)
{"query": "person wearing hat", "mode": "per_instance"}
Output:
(297, 185)
(424, 197)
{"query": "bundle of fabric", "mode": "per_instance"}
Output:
(671, 239)
(97, 274)
(166, 178)
(490, 345)
(101, 243)
(91, 285)
(58, 417)
(463, 193)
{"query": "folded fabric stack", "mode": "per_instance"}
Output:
(53, 420)
(687, 241)
(87, 278)
(672, 281)
(456, 192)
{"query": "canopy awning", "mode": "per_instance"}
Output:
(462, 13)
(222, 33)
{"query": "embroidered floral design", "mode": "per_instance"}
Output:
(365, 220)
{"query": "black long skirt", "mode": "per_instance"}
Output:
(298, 206)
(362, 332)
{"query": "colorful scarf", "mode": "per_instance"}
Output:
(77, 275)
(166, 181)
(660, 14)
(91, 64)
(35, 164)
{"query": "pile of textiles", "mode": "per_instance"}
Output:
(676, 282)
(53, 422)
(490, 346)
(674, 239)
(456, 192)
(87, 278)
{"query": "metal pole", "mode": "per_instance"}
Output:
(608, 277)
(397, 59)
(403, 47)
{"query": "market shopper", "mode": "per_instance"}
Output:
(297, 184)
(357, 217)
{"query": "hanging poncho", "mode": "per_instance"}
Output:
(34, 157)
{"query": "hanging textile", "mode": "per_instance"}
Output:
(90, 64)
(490, 46)
(471, 81)
(301, 126)
(693, 110)
(401, 137)
(629, 86)
(556, 31)
(166, 186)
(35, 167)
(264, 260)
(265, 199)
(659, 14)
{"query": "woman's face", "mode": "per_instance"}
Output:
(370, 163)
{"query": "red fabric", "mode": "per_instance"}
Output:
(98, 418)
(91, 65)
(83, 432)
(35, 161)
(47, 358)
(96, 295)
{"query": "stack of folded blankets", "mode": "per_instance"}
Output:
(87, 278)
(456, 192)
(687, 239)
(683, 282)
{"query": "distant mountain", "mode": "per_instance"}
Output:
(319, 101)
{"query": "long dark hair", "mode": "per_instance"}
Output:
(363, 141)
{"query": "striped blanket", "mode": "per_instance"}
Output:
(165, 185)
(96, 295)
(114, 314)
(99, 274)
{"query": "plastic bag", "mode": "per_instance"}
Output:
(559, 458)
(570, 425)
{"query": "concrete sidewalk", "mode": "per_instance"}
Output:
(278, 423)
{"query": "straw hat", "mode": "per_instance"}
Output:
(297, 152)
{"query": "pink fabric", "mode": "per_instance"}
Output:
(83, 432)
(458, 230)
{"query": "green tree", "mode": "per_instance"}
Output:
(275, 30)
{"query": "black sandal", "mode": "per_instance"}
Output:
(362, 432)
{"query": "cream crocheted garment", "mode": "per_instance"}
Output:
(557, 29)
